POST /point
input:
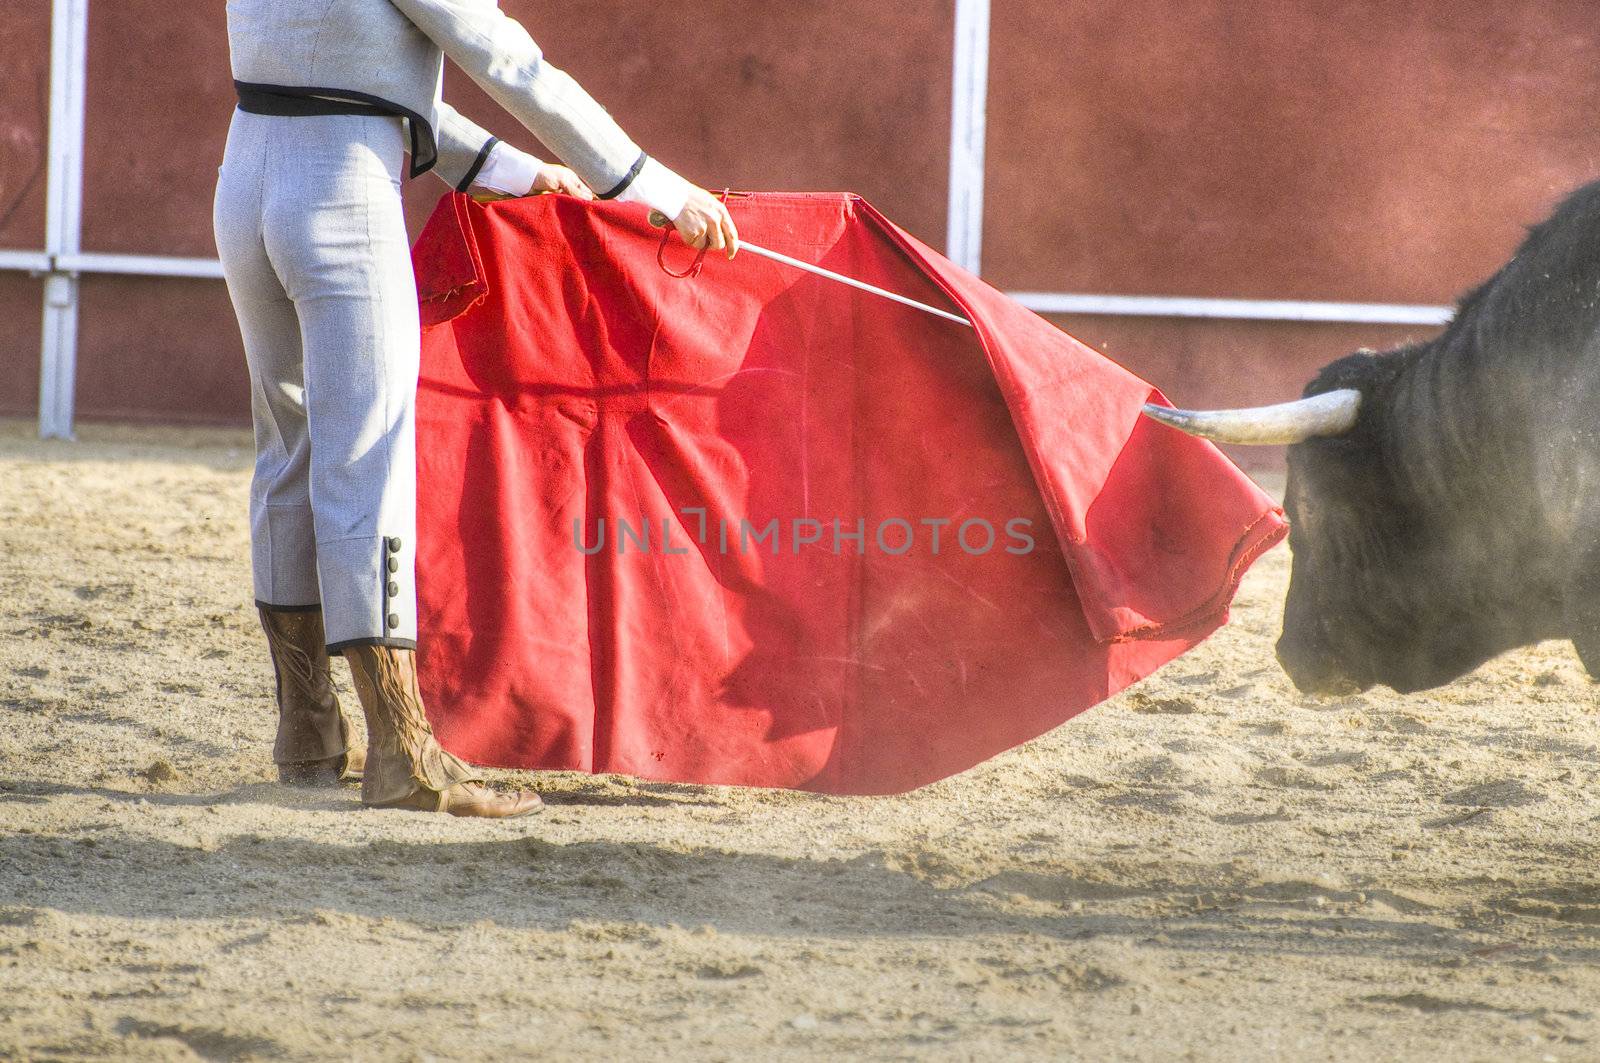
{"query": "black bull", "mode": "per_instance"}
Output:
(1455, 513)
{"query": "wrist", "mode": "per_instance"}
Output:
(659, 189)
(509, 170)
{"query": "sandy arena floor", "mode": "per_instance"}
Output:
(1209, 867)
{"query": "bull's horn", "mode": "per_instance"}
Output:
(1332, 413)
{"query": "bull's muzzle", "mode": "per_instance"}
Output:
(1313, 670)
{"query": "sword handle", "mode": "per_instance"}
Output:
(658, 219)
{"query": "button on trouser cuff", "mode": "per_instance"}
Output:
(363, 602)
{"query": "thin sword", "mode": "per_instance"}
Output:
(756, 249)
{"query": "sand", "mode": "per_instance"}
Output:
(1210, 866)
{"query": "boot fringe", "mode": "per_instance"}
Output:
(405, 753)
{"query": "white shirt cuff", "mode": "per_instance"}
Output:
(659, 189)
(508, 170)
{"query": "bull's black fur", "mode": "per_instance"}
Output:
(1460, 517)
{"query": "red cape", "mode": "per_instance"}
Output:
(566, 381)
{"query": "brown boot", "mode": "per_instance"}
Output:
(406, 766)
(313, 746)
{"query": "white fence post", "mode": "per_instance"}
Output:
(969, 91)
(58, 355)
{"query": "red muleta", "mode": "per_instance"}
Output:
(732, 529)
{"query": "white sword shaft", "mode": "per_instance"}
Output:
(659, 220)
(757, 249)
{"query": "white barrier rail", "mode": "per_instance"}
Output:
(1039, 302)
(140, 265)
(25, 261)
(969, 95)
(1234, 309)
(43, 264)
(63, 227)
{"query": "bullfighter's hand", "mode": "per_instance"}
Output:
(705, 223)
(553, 178)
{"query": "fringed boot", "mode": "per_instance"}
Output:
(313, 744)
(406, 766)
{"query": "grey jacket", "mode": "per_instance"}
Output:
(391, 53)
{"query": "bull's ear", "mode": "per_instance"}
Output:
(1332, 413)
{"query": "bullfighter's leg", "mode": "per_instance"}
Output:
(337, 232)
(312, 745)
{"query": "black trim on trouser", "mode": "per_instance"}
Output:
(316, 608)
(627, 179)
(477, 164)
(297, 101)
(394, 644)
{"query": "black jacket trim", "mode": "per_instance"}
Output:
(477, 164)
(633, 171)
(317, 608)
(300, 101)
(336, 648)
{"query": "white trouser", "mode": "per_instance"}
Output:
(313, 243)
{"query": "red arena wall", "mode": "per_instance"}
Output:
(1352, 151)
(24, 115)
(1349, 151)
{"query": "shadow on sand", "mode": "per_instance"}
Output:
(524, 881)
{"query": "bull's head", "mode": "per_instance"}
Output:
(1363, 586)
